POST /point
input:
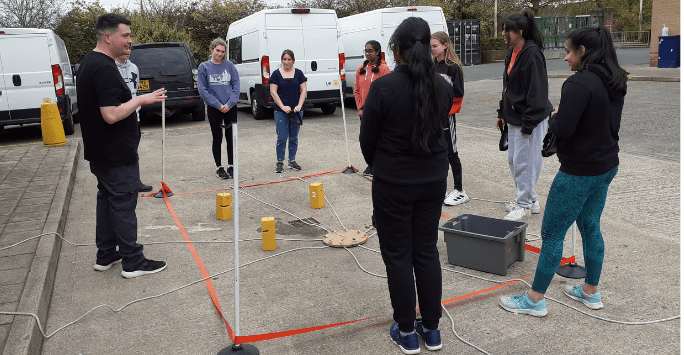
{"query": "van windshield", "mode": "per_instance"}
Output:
(161, 61)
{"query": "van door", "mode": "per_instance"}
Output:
(26, 73)
(284, 31)
(321, 55)
(4, 105)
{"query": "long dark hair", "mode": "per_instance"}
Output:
(598, 49)
(411, 42)
(376, 46)
(525, 23)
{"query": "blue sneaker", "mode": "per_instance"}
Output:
(523, 304)
(408, 344)
(591, 301)
(432, 338)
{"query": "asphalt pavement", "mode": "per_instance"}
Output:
(303, 283)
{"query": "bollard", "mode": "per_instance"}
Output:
(224, 210)
(268, 240)
(317, 196)
(51, 124)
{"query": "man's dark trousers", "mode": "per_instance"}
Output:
(117, 224)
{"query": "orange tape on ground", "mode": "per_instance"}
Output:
(483, 291)
(268, 336)
(253, 185)
(200, 264)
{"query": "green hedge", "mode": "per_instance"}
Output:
(492, 43)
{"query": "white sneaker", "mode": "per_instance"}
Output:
(535, 209)
(456, 198)
(517, 213)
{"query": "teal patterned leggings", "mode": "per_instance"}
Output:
(571, 198)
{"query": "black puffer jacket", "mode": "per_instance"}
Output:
(525, 98)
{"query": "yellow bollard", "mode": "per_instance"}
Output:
(51, 124)
(268, 240)
(317, 196)
(224, 210)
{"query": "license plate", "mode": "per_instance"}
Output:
(144, 85)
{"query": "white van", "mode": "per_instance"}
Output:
(256, 42)
(34, 65)
(379, 25)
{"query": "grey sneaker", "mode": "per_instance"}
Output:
(535, 209)
(591, 301)
(279, 167)
(517, 213)
(293, 165)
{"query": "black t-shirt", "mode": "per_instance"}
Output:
(100, 85)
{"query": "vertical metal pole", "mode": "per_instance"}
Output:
(344, 120)
(163, 135)
(574, 228)
(496, 24)
(236, 217)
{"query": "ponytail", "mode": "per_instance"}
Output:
(598, 49)
(411, 42)
(525, 23)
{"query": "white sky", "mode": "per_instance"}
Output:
(108, 4)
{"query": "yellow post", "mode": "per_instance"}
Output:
(51, 124)
(316, 194)
(224, 210)
(268, 240)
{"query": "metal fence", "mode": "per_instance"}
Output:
(631, 38)
(554, 28)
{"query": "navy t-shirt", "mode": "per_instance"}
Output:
(288, 89)
(101, 85)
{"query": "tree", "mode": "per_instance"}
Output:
(30, 13)
(77, 28)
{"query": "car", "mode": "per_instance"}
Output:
(168, 65)
(34, 66)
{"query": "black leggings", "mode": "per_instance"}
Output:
(454, 160)
(216, 118)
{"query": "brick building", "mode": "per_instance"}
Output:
(664, 12)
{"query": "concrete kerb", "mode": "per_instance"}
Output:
(25, 337)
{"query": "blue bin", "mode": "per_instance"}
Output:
(668, 52)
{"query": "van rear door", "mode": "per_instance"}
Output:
(26, 73)
(321, 55)
(313, 39)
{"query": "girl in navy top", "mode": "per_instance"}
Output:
(288, 89)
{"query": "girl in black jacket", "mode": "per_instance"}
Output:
(586, 124)
(402, 137)
(448, 65)
(524, 106)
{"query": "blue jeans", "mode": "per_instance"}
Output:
(573, 198)
(287, 134)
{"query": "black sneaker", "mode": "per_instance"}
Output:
(368, 171)
(279, 167)
(145, 188)
(221, 174)
(293, 165)
(147, 267)
(229, 171)
(104, 266)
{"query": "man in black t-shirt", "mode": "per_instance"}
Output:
(110, 138)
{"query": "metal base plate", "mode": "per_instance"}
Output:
(345, 238)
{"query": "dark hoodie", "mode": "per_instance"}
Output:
(525, 98)
(588, 122)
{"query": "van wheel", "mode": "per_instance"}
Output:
(329, 109)
(69, 123)
(198, 114)
(259, 112)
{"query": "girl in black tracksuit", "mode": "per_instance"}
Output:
(448, 65)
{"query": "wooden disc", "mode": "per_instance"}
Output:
(345, 238)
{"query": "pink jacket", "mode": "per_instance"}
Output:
(364, 81)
